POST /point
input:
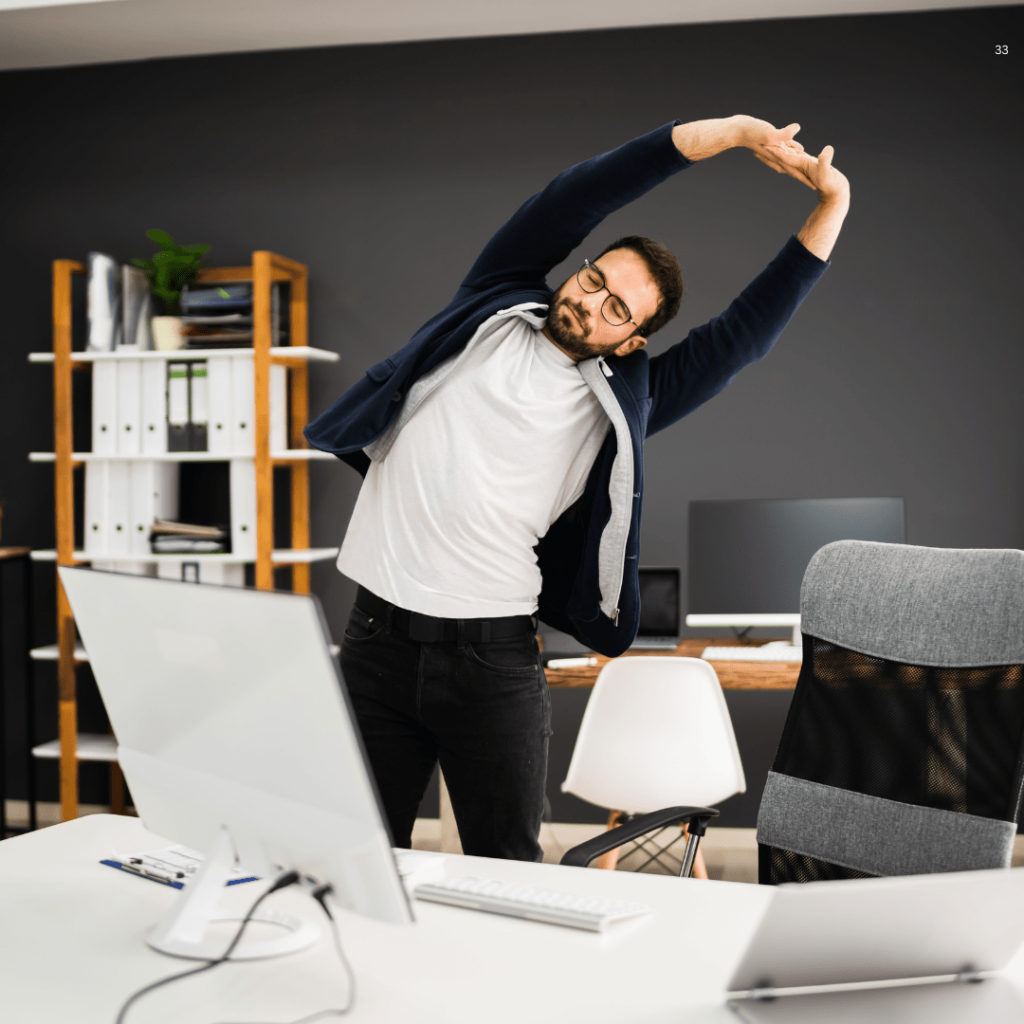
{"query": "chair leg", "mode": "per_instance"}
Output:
(607, 861)
(699, 868)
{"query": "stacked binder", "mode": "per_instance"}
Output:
(155, 406)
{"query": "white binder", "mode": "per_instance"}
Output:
(243, 406)
(118, 507)
(97, 499)
(154, 407)
(218, 393)
(104, 407)
(243, 507)
(278, 407)
(129, 406)
(154, 495)
(219, 382)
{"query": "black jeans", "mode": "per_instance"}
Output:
(482, 709)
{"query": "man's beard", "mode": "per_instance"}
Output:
(571, 335)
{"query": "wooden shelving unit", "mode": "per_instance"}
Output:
(267, 268)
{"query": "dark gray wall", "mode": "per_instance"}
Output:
(386, 168)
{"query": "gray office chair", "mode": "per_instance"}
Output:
(903, 751)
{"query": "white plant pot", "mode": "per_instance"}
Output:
(167, 335)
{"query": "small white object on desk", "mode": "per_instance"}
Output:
(780, 650)
(556, 663)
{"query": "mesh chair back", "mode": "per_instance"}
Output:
(902, 752)
(656, 733)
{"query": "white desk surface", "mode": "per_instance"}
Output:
(71, 948)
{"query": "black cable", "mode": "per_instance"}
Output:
(320, 894)
(288, 878)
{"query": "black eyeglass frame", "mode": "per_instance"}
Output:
(587, 265)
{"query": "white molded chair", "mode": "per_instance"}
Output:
(656, 735)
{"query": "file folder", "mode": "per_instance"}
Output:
(243, 507)
(118, 507)
(97, 497)
(154, 407)
(104, 407)
(198, 404)
(107, 507)
(129, 406)
(243, 406)
(218, 391)
(177, 407)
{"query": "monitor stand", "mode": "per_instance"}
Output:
(181, 932)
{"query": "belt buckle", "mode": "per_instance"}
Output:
(425, 628)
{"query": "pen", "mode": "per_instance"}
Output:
(571, 662)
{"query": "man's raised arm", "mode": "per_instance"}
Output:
(549, 225)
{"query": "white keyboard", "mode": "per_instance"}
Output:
(592, 913)
(766, 653)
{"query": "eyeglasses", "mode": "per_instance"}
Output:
(613, 309)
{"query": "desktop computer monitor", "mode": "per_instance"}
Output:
(747, 557)
(236, 737)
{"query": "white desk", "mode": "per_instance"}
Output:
(71, 948)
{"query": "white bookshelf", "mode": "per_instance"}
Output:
(274, 404)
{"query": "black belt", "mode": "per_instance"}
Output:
(430, 628)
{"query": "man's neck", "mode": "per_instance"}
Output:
(547, 334)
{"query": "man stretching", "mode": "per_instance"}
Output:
(502, 450)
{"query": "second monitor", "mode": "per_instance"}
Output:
(750, 555)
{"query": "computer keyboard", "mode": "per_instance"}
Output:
(654, 643)
(592, 913)
(767, 653)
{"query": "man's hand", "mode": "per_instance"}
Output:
(699, 140)
(820, 231)
(815, 172)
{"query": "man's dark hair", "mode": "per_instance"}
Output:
(664, 268)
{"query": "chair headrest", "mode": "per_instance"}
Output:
(953, 607)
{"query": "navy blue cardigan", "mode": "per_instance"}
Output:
(651, 392)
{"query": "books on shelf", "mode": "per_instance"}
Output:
(176, 545)
(168, 537)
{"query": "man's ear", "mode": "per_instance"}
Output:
(631, 344)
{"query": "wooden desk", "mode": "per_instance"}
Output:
(733, 675)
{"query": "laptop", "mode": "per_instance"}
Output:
(904, 950)
(659, 610)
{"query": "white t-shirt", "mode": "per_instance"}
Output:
(446, 524)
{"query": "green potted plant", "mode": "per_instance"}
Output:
(170, 269)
